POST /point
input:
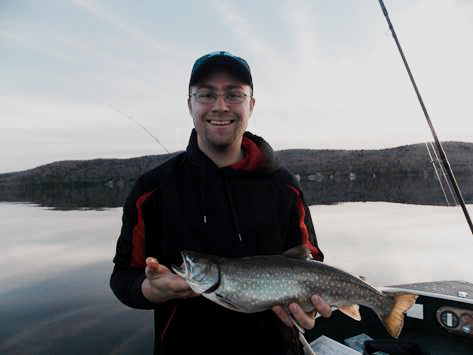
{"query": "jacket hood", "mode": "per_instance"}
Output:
(259, 158)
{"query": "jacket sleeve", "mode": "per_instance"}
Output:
(301, 226)
(129, 270)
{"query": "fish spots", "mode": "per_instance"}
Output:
(253, 284)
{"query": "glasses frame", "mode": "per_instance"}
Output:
(224, 95)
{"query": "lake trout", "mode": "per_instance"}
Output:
(257, 283)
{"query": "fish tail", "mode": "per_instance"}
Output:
(393, 320)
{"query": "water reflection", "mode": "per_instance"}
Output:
(72, 313)
(396, 243)
(318, 189)
(55, 297)
(55, 266)
(69, 198)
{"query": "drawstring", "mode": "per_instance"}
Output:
(228, 195)
(236, 223)
(203, 200)
(204, 171)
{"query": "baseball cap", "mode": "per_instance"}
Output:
(221, 59)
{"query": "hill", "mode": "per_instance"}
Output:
(403, 174)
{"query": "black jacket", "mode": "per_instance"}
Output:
(253, 207)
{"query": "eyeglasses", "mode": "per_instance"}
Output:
(211, 97)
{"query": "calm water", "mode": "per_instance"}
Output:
(54, 269)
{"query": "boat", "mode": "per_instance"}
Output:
(440, 322)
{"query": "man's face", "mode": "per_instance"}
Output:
(220, 125)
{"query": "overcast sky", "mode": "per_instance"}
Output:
(327, 73)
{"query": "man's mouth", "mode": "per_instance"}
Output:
(220, 122)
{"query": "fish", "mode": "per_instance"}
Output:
(257, 283)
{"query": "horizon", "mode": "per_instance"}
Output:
(179, 151)
(340, 82)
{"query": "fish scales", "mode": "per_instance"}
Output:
(257, 283)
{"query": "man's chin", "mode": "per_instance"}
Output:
(220, 146)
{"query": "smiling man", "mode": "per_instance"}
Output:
(220, 103)
(225, 195)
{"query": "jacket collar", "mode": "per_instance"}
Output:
(258, 155)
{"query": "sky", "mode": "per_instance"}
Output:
(327, 73)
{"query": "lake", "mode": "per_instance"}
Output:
(55, 265)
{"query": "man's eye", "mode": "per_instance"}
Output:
(206, 96)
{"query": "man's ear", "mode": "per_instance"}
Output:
(252, 104)
(189, 106)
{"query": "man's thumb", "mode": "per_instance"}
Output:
(152, 264)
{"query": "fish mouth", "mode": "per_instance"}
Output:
(180, 270)
(187, 268)
(194, 274)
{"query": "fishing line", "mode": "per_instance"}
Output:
(444, 174)
(436, 170)
(140, 125)
(440, 150)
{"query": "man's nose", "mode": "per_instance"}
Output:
(220, 104)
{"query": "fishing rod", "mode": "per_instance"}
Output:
(438, 145)
(434, 162)
(140, 125)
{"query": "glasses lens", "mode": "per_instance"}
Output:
(210, 97)
(206, 97)
(234, 97)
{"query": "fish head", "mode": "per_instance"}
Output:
(201, 272)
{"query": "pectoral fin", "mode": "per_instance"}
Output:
(352, 311)
(223, 301)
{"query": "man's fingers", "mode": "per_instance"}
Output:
(154, 269)
(282, 314)
(152, 264)
(172, 282)
(321, 306)
(305, 320)
(297, 314)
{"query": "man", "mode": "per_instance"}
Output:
(225, 195)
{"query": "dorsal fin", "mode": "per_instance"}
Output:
(298, 252)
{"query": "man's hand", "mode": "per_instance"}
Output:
(305, 320)
(162, 285)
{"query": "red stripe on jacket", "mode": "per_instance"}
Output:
(254, 157)
(138, 235)
(302, 226)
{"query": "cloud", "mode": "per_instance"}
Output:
(243, 30)
(326, 77)
(300, 16)
(109, 16)
(463, 3)
(40, 40)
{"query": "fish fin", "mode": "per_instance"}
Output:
(298, 252)
(394, 321)
(223, 301)
(352, 311)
